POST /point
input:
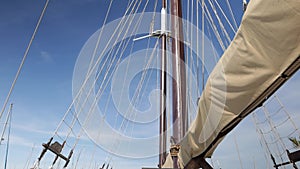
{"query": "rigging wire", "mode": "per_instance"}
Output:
(90, 109)
(220, 22)
(76, 116)
(276, 135)
(64, 118)
(144, 80)
(29, 158)
(107, 76)
(226, 18)
(286, 112)
(215, 30)
(191, 51)
(24, 58)
(238, 151)
(122, 123)
(232, 15)
(263, 143)
(216, 57)
(203, 61)
(89, 113)
(197, 42)
(270, 131)
(100, 35)
(273, 127)
(118, 62)
(146, 54)
(88, 76)
(191, 62)
(5, 125)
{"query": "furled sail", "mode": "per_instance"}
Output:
(262, 56)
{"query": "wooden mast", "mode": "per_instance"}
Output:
(163, 86)
(179, 117)
(180, 125)
(178, 68)
(180, 112)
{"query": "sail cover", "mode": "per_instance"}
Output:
(260, 58)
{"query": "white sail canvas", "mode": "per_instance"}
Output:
(266, 44)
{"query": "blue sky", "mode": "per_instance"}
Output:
(44, 90)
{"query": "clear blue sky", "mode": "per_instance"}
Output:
(44, 89)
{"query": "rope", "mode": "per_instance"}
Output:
(89, 113)
(24, 58)
(273, 127)
(272, 138)
(286, 112)
(202, 47)
(123, 121)
(140, 93)
(232, 15)
(108, 67)
(229, 23)
(197, 42)
(69, 110)
(124, 125)
(100, 35)
(216, 58)
(89, 74)
(220, 22)
(215, 30)
(91, 89)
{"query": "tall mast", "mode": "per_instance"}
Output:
(179, 116)
(163, 86)
(179, 77)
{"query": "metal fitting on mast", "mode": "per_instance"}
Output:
(245, 4)
(163, 19)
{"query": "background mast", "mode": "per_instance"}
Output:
(163, 86)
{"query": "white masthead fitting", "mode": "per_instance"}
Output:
(163, 23)
(160, 32)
